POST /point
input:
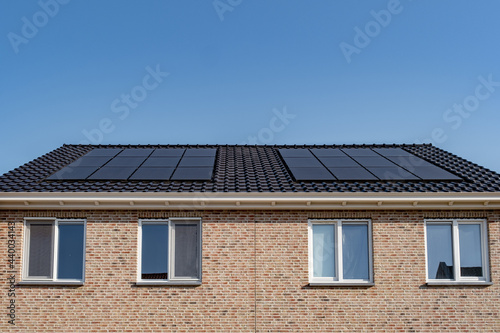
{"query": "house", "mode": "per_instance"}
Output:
(250, 238)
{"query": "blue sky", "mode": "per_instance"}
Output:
(241, 71)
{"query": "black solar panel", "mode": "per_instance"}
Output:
(168, 152)
(327, 152)
(199, 152)
(339, 162)
(410, 162)
(197, 161)
(196, 173)
(112, 173)
(162, 162)
(373, 161)
(434, 173)
(391, 173)
(295, 153)
(151, 173)
(392, 152)
(131, 152)
(352, 174)
(103, 152)
(91, 161)
(73, 173)
(359, 152)
(126, 161)
(303, 162)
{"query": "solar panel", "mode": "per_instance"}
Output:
(131, 152)
(359, 152)
(410, 162)
(103, 152)
(151, 173)
(196, 161)
(162, 162)
(392, 173)
(298, 152)
(311, 174)
(303, 162)
(168, 152)
(373, 161)
(126, 161)
(327, 152)
(112, 173)
(392, 152)
(196, 173)
(91, 161)
(199, 152)
(352, 174)
(73, 173)
(434, 173)
(339, 162)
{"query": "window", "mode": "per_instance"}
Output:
(54, 251)
(340, 252)
(456, 251)
(169, 251)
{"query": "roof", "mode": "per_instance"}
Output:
(251, 169)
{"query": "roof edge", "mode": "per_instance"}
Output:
(249, 201)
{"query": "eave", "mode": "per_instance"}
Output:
(248, 201)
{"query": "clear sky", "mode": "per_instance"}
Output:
(249, 71)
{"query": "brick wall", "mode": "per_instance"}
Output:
(255, 276)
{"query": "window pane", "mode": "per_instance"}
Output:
(471, 263)
(40, 253)
(154, 251)
(70, 256)
(186, 250)
(439, 251)
(323, 250)
(355, 251)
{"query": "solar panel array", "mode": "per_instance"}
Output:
(141, 164)
(360, 164)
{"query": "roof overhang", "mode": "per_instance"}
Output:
(245, 201)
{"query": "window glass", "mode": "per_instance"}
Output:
(470, 250)
(40, 250)
(323, 250)
(154, 251)
(440, 251)
(355, 251)
(70, 259)
(186, 250)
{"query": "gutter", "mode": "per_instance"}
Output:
(249, 201)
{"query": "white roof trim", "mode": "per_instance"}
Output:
(274, 201)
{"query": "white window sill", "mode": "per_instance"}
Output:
(169, 283)
(50, 283)
(459, 283)
(341, 284)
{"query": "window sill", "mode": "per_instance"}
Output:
(459, 283)
(341, 284)
(50, 283)
(169, 283)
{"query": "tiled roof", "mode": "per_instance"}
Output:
(242, 168)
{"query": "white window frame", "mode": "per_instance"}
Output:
(172, 280)
(339, 279)
(26, 279)
(456, 252)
